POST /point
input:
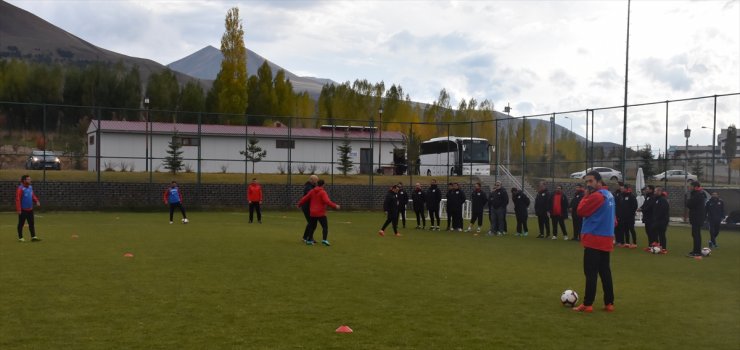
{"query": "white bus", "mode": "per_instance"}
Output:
(455, 156)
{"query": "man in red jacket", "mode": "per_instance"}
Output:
(318, 199)
(24, 200)
(254, 197)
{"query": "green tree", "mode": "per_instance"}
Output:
(231, 82)
(646, 161)
(253, 153)
(697, 168)
(345, 161)
(163, 92)
(192, 101)
(730, 148)
(173, 161)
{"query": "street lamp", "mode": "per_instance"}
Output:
(507, 110)
(380, 139)
(571, 123)
(686, 134)
(146, 134)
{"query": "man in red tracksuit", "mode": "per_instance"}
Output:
(559, 212)
(254, 197)
(318, 199)
(597, 238)
(24, 200)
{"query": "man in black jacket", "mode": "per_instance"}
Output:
(455, 202)
(541, 208)
(647, 215)
(696, 204)
(390, 206)
(626, 216)
(577, 220)
(479, 202)
(417, 196)
(432, 198)
(307, 187)
(448, 212)
(715, 209)
(521, 204)
(618, 230)
(497, 201)
(403, 200)
(661, 215)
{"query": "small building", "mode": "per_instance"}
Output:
(694, 152)
(210, 148)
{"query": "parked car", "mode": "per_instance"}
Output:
(676, 175)
(43, 160)
(606, 174)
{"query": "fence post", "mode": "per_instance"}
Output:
(714, 133)
(665, 160)
(200, 142)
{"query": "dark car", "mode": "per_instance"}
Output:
(43, 160)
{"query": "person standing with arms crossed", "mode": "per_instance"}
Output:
(417, 197)
(598, 211)
(715, 209)
(254, 197)
(390, 206)
(306, 207)
(497, 202)
(24, 201)
(173, 198)
(577, 220)
(541, 208)
(696, 204)
(559, 212)
(661, 216)
(521, 205)
(626, 216)
(479, 203)
(432, 197)
(403, 200)
(318, 200)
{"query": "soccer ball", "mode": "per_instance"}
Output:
(706, 251)
(184, 221)
(569, 298)
(655, 249)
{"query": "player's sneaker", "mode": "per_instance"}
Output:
(468, 229)
(525, 234)
(583, 308)
(540, 236)
(185, 221)
(381, 233)
(170, 222)
(309, 242)
(554, 237)
(477, 230)
(21, 240)
(397, 234)
(609, 307)
(499, 234)
(35, 239)
(326, 243)
(565, 238)
(459, 230)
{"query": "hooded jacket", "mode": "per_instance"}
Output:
(479, 200)
(318, 199)
(418, 197)
(521, 203)
(432, 197)
(254, 193)
(715, 209)
(542, 202)
(696, 205)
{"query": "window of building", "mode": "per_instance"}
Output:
(91, 140)
(285, 144)
(186, 141)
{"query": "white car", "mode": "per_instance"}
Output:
(606, 174)
(676, 175)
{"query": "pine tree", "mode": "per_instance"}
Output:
(173, 162)
(697, 168)
(345, 162)
(646, 161)
(253, 153)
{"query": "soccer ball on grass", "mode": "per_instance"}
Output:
(706, 251)
(184, 221)
(655, 249)
(569, 298)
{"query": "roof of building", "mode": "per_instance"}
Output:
(135, 127)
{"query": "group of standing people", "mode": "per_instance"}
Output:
(556, 208)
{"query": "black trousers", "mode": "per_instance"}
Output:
(449, 218)
(544, 224)
(177, 205)
(658, 231)
(714, 230)
(457, 219)
(577, 224)
(391, 219)
(477, 216)
(307, 215)
(649, 232)
(252, 207)
(26, 215)
(558, 220)
(619, 232)
(696, 236)
(421, 219)
(402, 214)
(434, 213)
(596, 265)
(521, 224)
(498, 219)
(629, 230)
(312, 223)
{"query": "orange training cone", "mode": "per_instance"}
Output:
(697, 258)
(344, 329)
(128, 255)
(75, 236)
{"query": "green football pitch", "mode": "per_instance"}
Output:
(220, 283)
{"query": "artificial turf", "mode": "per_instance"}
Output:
(220, 283)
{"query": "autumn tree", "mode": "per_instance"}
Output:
(230, 86)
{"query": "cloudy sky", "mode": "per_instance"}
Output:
(539, 56)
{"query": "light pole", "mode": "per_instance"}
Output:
(380, 139)
(524, 147)
(146, 134)
(571, 123)
(507, 110)
(686, 134)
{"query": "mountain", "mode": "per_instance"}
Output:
(206, 63)
(25, 36)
